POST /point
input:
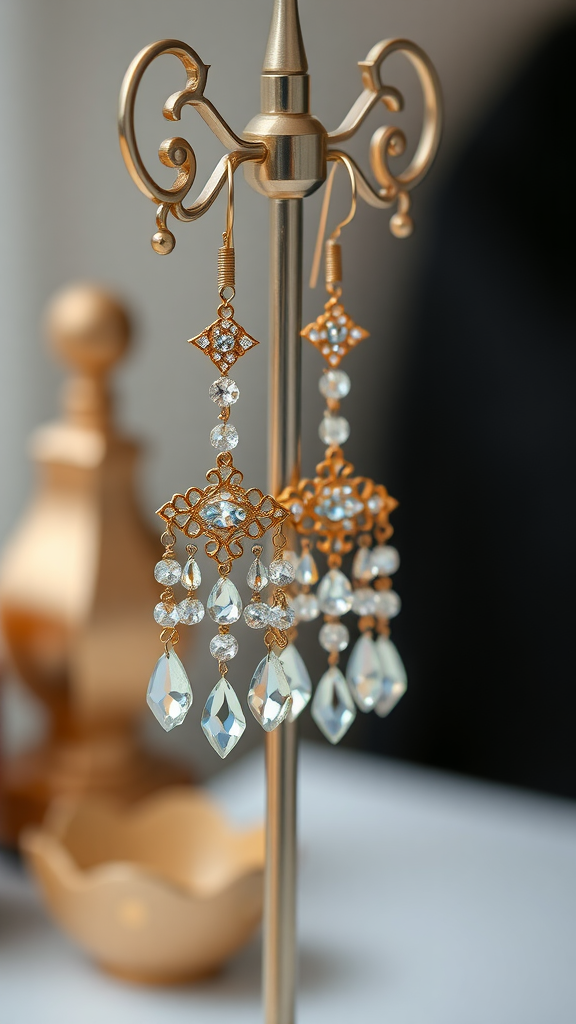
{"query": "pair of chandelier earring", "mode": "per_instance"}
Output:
(336, 512)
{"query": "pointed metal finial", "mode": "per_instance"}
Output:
(285, 53)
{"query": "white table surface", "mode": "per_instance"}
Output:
(424, 899)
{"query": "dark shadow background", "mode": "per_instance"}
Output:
(484, 454)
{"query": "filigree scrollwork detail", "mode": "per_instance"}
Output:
(389, 141)
(224, 512)
(336, 506)
(176, 152)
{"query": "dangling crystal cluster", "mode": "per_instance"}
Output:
(344, 512)
(225, 513)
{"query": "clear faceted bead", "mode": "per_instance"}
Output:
(362, 565)
(307, 571)
(191, 575)
(385, 560)
(364, 673)
(166, 614)
(334, 384)
(224, 391)
(335, 593)
(168, 571)
(364, 602)
(394, 681)
(334, 637)
(333, 709)
(334, 430)
(269, 697)
(282, 618)
(191, 611)
(388, 604)
(281, 572)
(223, 646)
(298, 680)
(223, 720)
(257, 614)
(306, 607)
(223, 437)
(224, 604)
(169, 695)
(257, 575)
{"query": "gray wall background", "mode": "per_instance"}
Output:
(71, 212)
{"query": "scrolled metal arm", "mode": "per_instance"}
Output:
(390, 141)
(176, 152)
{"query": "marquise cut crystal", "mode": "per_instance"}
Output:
(333, 709)
(223, 514)
(269, 697)
(298, 680)
(169, 694)
(223, 720)
(338, 504)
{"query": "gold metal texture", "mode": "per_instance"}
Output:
(191, 513)
(335, 323)
(176, 152)
(226, 331)
(318, 503)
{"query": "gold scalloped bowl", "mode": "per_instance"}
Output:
(161, 892)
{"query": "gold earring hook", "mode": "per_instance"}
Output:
(226, 253)
(330, 242)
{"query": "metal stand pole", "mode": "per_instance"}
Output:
(279, 962)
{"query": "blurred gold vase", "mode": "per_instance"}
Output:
(160, 892)
(76, 585)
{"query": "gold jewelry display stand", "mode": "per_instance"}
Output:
(284, 150)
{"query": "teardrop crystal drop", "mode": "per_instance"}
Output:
(363, 567)
(191, 575)
(394, 680)
(333, 709)
(269, 697)
(298, 680)
(335, 593)
(169, 695)
(307, 571)
(364, 673)
(224, 604)
(223, 720)
(257, 575)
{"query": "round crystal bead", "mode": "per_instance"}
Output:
(334, 637)
(191, 611)
(282, 618)
(306, 607)
(334, 430)
(166, 614)
(364, 601)
(224, 437)
(224, 646)
(167, 571)
(384, 560)
(224, 391)
(388, 604)
(257, 614)
(281, 572)
(334, 384)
